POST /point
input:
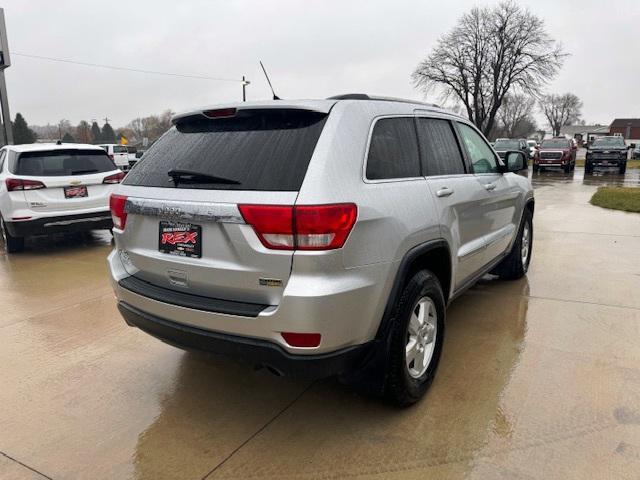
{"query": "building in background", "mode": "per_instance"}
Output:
(629, 128)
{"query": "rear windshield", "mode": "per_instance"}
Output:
(63, 163)
(555, 143)
(255, 150)
(120, 149)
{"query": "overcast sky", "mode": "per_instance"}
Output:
(311, 48)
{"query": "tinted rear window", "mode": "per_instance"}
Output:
(260, 149)
(63, 163)
(393, 151)
(120, 149)
(441, 153)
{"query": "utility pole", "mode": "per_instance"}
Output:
(5, 62)
(245, 82)
(106, 119)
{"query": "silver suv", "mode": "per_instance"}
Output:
(317, 238)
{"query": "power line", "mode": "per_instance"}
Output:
(126, 69)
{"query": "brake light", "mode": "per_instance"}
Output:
(115, 178)
(272, 223)
(118, 214)
(21, 184)
(301, 227)
(220, 113)
(302, 339)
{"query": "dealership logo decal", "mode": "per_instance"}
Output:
(172, 238)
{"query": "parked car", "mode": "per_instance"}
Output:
(503, 145)
(556, 152)
(533, 147)
(635, 155)
(317, 238)
(135, 159)
(50, 188)
(119, 154)
(607, 152)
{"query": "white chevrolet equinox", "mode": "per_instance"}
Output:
(52, 188)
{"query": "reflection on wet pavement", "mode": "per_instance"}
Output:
(540, 378)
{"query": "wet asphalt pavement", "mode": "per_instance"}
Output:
(540, 378)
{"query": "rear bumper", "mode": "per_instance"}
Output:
(61, 224)
(248, 350)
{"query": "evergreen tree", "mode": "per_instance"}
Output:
(21, 131)
(68, 138)
(95, 132)
(108, 135)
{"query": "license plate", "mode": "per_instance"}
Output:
(75, 192)
(181, 239)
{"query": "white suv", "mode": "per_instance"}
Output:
(317, 237)
(51, 188)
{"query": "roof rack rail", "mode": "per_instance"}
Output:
(364, 96)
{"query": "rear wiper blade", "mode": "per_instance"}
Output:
(80, 172)
(190, 176)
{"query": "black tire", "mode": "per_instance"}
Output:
(512, 267)
(588, 168)
(401, 387)
(11, 244)
(623, 168)
(567, 168)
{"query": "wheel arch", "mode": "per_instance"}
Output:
(434, 256)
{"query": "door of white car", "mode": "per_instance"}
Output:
(499, 198)
(457, 194)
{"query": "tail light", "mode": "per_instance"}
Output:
(301, 227)
(20, 184)
(118, 213)
(115, 178)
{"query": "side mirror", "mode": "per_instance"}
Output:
(516, 161)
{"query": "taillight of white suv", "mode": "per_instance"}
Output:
(14, 184)
(118, 213)
(301, 227)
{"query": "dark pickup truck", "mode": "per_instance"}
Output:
(607, 152)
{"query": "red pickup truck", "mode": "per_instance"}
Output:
(555, 152)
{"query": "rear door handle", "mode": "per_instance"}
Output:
(490, 186)
(444, 192)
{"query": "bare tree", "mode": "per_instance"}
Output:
(561, 110)
(515, 119)
(83, 132)
(490, 52)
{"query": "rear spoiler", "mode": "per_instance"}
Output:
(320, 106)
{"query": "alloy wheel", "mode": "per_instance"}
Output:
(421, 337)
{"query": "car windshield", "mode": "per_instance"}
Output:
(609, 142)
(555, 143)
(531, 143)
(507, 145)
(59, 163)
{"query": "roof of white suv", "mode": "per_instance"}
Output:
(323, 106)
(39, 147)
